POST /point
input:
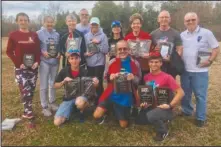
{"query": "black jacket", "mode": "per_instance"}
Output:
(62, 43)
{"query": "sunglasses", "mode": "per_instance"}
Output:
(122, 49)
(190, 20)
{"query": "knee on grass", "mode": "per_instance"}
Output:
(98, 113)
(59, 120)
(123, 123)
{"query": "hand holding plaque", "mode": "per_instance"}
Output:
(28, 60)
(72, 88)
(202, 57)
(121, 84)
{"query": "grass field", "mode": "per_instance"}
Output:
(73, 133)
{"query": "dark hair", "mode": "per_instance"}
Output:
(121, 34)
(21, 14)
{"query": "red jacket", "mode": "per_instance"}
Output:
(142, 35)
(20, 43)
(114, 67)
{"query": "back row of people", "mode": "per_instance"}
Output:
(24, 42)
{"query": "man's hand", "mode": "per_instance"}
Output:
(58, 56)
(164, 106)
(22, 66)
(89, 54)
(113, 76)
(130, 76)
(67, 54)
(95, 81)
(144, 105)
(35, 65)
(167, 58)
(95, 41)
(67, 79)
(45, 54)
(205, 64)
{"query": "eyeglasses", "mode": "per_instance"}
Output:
(122, 49)
(164, 17)
(190, 20)
(84, 14)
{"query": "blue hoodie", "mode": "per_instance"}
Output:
(100, 57)
(44, 36)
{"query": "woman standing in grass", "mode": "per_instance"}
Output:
(48, 69)
(25, 44)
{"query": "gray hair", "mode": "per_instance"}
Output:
(164, 11)
(190, 13)
(71, 16)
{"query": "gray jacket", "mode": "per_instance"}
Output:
(44, 36)
(100, 57)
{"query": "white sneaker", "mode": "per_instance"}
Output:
(46, 112)
(53, 107)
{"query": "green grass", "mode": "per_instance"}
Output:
(73, 133)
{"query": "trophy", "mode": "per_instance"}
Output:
(28, 60)
(74, 43)
(72, 88)
(52, 49)
(112, 51)
(166, 48)
(121, 84)
(146, 94)
(92, 47)
(202, 57)
(163, 95)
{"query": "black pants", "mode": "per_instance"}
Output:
(156, 117)
(98, 72)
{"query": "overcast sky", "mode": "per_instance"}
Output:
(34, 8)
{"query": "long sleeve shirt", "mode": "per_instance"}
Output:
(20, 43)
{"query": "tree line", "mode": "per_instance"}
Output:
(107, 11)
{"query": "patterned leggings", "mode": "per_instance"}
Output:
(26, 79)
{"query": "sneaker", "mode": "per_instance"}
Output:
(160, 136)
(102, 120)
(46, 112)
(28, 116)
(200, 123)
(53, 107)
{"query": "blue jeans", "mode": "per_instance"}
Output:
(65, 109)
(47, 73)
(196, 82)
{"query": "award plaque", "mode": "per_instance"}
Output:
(74, 43)
(28, 60)
(202, 57)
(146, 94)
(52, 50)
(144, 47)
(138, 47)
(121, 84)
(72, 88)
(87, 88)
(92, 47)
(112, 51)
(163, 95)
(134, 47)
(166, 48)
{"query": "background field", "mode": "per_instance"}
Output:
(182, 130)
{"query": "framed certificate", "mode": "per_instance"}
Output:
(166, 48)
(28, 60)
(92, 47)
(146, 94)
(163, 95)
(72, 88)
(121, 84)
(112, 51)
(202, 57)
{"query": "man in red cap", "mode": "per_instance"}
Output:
(158, 115)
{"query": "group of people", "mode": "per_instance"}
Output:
(145, 69)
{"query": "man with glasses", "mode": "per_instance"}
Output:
(195, 78)
(84, 25)
(167, 34)
(120, 102)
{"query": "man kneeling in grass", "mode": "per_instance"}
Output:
(65, 75)
(158, 115)
(121, 102)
